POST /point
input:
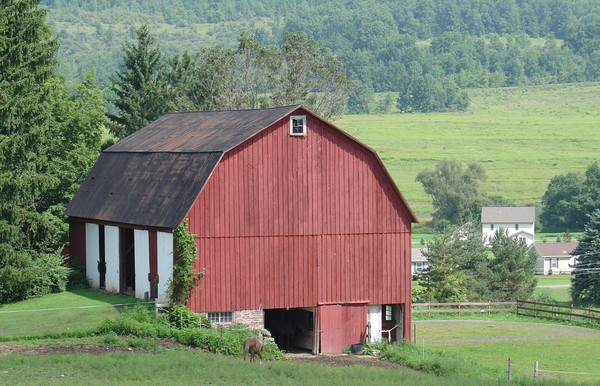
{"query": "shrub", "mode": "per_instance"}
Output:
(182, 317)
(77, 278)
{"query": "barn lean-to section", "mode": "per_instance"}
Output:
(306, 235)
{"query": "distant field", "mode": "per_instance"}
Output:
(522, 136)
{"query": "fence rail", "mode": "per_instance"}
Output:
(554, 311)
(460, 307)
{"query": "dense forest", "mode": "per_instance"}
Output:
(426, 50)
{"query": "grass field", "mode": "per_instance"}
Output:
(522, 136)
(491, 343)
(65, 312)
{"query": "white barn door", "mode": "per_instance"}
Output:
(164, 246)
(142, 263)
(92, 254)
(111, 250)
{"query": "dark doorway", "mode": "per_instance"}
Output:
(127, 276)
(102, 261)
(293, 329)
(388, 323)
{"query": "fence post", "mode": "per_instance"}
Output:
(509, 370)
(415, 334)
(156, 308)
(535, 371)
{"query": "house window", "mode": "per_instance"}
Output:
(298, 125)
(554, 263)
(221, 317)
(492, 226)
(516, 227)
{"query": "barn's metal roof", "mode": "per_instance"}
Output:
(151, 189)
(200, 132)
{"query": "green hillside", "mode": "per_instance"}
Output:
(522, 136)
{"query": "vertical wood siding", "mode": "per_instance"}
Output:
(296, 221)
(77, 242)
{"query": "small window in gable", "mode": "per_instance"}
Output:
(298, 125)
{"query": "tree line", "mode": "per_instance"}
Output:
(150, 84)
(425, 51)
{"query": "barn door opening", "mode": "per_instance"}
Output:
(292, 329)
(392, 327)
(127, 277)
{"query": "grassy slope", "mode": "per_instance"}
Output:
(58, 313)
(522, 136)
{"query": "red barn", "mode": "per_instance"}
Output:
(300, 228)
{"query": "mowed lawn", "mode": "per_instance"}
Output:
(491, 342)
(522, 136)
(64, 312)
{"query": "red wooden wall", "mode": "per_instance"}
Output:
(297, 221)
(77, 241)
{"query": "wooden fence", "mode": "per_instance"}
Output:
(554, 311)
(460, 307)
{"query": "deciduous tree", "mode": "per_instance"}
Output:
(456, 192)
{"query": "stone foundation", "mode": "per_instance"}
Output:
(254, 319)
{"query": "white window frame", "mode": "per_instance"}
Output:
(221, 317)
(296, 118)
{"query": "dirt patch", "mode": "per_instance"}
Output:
(338, 360)
(91, 349)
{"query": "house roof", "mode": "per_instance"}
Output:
(556, 249)
(153, 176)
(507, 214)
(417, 255)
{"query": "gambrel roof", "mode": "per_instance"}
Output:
(153, 176)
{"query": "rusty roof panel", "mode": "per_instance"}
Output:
(204, 131)
(151, 189)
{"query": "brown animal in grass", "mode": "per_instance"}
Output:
(253, 346)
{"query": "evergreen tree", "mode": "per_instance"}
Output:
(139, 86)
(444, 280)
(585, 278)
(513, 268)
(26, 226)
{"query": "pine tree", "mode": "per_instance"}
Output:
(585, 279)
(512, 268)
(26, 69)
(140, 94)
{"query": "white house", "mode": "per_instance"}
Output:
(419, 262)
(554, 258)
(519, 221)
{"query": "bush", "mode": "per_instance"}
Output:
(50, 275)
(77, 278)
(182, 317)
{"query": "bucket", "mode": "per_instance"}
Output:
(357, 349)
